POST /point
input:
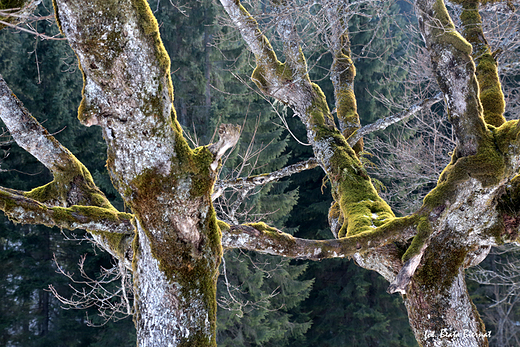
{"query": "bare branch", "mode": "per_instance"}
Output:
(259, 180)
(111, 292)
(382, 124)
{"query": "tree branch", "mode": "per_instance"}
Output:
(259, 180)
(383, 123)
(451, 60)
(71, 200)
(342, 73)
(491, 96)
(21, 209)
(262, 238)
(31, 136)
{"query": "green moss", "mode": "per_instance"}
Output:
(118, 243)
(491, 96)
(487, 166)
(45, 193)
(347, 110)
(74, 177)
(223, 225)
(506, 135)
(424, 230)
(439, 272)
(441, 14)
(319, 113)
(263, 227)
(454, 39)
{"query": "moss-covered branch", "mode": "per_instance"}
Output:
(73, 183)
(455, 71)
(262, 238)
(24, 210)
(283, 81)
(491, 96)
(342, 74)
(352, 189)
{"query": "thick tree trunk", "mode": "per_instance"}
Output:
(444, 315)
(172, 310)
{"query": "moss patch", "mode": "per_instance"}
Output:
(437, 271)
(488, 166)
(424, 230)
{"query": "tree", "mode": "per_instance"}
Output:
(172, 241)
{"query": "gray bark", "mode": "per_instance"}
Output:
(177, 243)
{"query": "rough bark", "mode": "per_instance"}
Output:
(177, 242)
(128, 92)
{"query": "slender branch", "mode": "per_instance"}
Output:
(262, 238)
(33, 32)
(259, 180)
(21, 209)
(382, 124)
(31, 136)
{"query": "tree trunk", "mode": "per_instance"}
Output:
(444, 315)
(169, 310)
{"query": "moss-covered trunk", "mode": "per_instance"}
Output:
(129, 94)
(174, 299)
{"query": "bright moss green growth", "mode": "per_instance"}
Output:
(454, 39)
(263, 227)
(506, 135)
(360, 204)
(488, 166)
(223, 225)
(491, 96)
(74, 184)
(319, 112)
(441, 14)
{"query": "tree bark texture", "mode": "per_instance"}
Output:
(172, 241)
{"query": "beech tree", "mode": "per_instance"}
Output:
(171, 239)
